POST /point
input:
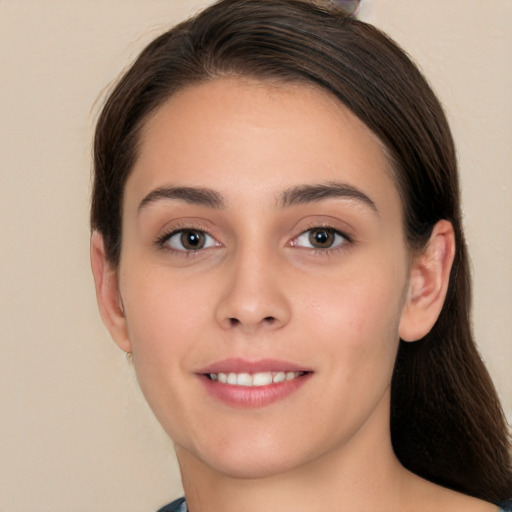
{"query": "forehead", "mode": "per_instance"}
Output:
(238, 134)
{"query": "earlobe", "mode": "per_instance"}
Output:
(429, 278)
(107, 293)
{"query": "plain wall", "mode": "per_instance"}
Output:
(75, 433)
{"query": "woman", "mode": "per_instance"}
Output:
(277, 241)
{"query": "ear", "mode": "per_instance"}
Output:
(108, 294)
(429, 277)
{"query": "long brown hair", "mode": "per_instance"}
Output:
(446, 421)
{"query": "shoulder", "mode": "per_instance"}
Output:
(178, 505)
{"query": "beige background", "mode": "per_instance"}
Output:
(75, 434)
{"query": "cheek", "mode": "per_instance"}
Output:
(164, 316)
(166, 323)
(357, 316)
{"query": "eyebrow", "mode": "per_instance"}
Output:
(191, 195)
(303, 194)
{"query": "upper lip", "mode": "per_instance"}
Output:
(238, 365)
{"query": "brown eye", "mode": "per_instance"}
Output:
(192, 240)
(186, 240)
(320, 238)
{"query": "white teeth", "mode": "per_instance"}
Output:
(244, 379)
(262, 379)
(279, 377)
(256, 379)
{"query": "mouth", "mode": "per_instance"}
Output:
(241, 383)
(259, 379)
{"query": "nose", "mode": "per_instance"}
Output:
(254, 297)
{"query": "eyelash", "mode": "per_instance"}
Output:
(162, 241)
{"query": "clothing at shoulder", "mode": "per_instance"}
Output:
(506, 506)
(180, 505)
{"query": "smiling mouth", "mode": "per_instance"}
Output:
(254, 379)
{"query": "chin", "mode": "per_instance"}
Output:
(253, 467)
(247, 458)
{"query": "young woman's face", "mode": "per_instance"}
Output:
(263, 246)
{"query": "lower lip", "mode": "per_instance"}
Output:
(252, 397)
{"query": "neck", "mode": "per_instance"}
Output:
(363, 474)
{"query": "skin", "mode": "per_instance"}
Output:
(259, 290)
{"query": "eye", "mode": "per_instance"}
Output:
(320, 238)
(189, 240)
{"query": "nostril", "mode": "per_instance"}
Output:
(234, 322)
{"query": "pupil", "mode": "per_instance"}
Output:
(321, 238)
(193, 240)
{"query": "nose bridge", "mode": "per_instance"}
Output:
(254, 296)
